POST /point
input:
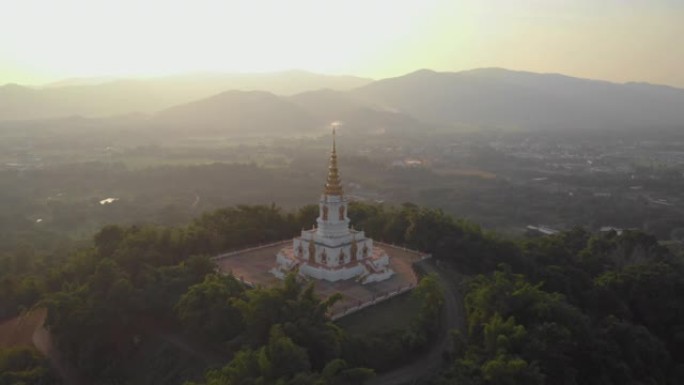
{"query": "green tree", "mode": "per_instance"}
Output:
(208, 308)
(23, 365)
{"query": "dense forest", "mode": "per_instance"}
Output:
(143, 304)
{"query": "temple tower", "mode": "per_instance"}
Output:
(332, 250)
(333, 221)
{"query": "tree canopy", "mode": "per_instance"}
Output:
(572, 308)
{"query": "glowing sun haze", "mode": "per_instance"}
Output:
(618, 40)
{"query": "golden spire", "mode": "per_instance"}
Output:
(333, 186)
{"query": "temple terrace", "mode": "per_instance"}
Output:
(335, 256)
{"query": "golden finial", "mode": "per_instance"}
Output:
(333, 185)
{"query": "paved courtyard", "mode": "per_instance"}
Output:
(253, 266)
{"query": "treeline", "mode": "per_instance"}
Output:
(27, 275)
(113, 300)
(23, 365)
(285, 334)
(138, 287)
(575, 309)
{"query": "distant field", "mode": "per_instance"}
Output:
(395, 313)
(142, 161)
(464, 172)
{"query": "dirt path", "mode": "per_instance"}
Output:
(27, 330)
(453, 318)
(42, 340)
(17, 331)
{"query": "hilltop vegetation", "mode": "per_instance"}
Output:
(109, 306)
(590, 310)
(23, 365)
(143, 305)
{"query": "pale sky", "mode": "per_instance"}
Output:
(618, 40)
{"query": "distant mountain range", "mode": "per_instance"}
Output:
(101, 97)
(242, 112)
(502, 98)
(269, 103)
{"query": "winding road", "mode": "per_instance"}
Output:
(453, 317)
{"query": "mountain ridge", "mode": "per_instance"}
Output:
(519, 99)
(483, 97)
(129, 95)
(236, 112)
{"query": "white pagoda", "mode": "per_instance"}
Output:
(332, 250)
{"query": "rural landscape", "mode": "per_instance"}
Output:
(231, 223)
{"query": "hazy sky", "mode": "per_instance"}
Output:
(619, 40)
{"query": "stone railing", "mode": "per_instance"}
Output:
(245, 282)
(347, 310)
(420, 254)
(242, 251)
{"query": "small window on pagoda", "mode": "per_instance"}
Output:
(341, 213)
(325, 213)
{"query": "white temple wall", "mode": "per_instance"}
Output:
(332, 252)
(330, 223)
(332, 275)
(378, 276)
